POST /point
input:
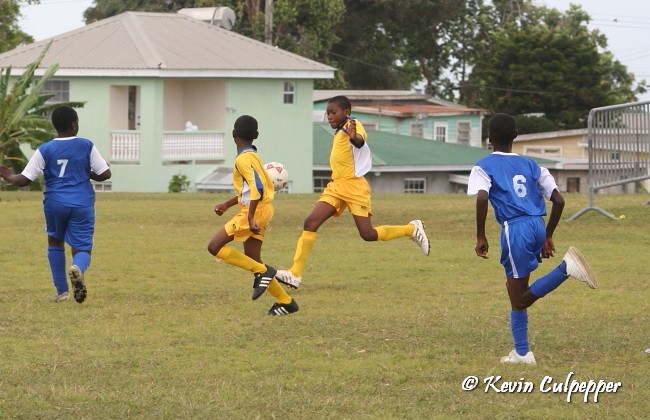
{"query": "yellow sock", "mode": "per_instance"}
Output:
(386, 233)
(278, 292)
(303, 248)
(239, 259)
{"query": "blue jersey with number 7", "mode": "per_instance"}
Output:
(67, 171)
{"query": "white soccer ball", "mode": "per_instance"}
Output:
(278, 173)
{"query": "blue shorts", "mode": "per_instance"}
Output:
(74, 225)
(522, 241)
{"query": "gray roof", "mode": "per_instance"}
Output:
(163, 45)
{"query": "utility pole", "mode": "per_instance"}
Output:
(268, 22)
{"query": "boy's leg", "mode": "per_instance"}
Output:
(79, 234)
(321, 212)
(414, 230)
(56, 258)
(549, 282)
(520, 299)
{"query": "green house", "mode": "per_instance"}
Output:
(162, 92)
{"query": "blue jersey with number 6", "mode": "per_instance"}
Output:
(513, 185)
(67, 171)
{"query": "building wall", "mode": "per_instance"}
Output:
(285, 129)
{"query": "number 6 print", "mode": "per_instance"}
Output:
(519, 184)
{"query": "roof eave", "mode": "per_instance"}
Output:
(181, 73)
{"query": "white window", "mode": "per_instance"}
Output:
(415, 185)
(105, 186)
(320, 182)
(543, 151)
(289, 94)
(440, 131)
(60, 89)
(370, 125)
(464, 128)
(416, 129)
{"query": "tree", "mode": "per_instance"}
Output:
(549, 63)
(23, 111)
(11, 36)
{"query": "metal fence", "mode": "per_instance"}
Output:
(619, 150)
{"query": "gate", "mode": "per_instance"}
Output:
(619, 149)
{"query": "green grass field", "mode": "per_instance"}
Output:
(382, 332)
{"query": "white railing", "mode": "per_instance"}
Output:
(189, 145)
(176, 145)
(125, 146)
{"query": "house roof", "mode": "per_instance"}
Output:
(410, 111)
(552, 135)
(163, 45)
(395, 152)
(387, 96)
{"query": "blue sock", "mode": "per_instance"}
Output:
(546, 284)
(519, 328)
(56, 257)
(82, 260)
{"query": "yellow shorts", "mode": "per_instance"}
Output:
(353, 193)
(238, 225)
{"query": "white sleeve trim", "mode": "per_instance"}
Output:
(478, 180)
(97, 163)
(546, 183)
(35, 166)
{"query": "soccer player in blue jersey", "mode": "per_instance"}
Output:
(68, 163)
(255, 193)
(516, 187)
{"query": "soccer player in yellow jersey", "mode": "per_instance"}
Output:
(255, 193)
(350, 160)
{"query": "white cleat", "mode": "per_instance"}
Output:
(514, 357)
(61, 297)
(419, 236)
(578, 268)
(287, 277)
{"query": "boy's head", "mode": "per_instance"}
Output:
(338, 110)
(245, 128)
(502, 129)
(64, 119)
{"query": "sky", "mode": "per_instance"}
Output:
(626, 23)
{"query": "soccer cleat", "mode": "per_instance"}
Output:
(514, 357)
(287, 277)
(262, 281)
(77, 280)
(578, 268)
(280, 309)
(61, 297)
(419, 236)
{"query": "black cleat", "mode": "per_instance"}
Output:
(280, 309)
(262, 281)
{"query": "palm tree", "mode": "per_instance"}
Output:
(23, 112)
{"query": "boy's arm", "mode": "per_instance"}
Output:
(556, 213)
(221, 208)
(101, 177)
(18, 180)
(356, 139)
(252, 224)
(481, 215)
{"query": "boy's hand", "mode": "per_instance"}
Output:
(220, 208)
(352, 129)
(482, 247)
(254, 227)
(549, 248)
(6, 172)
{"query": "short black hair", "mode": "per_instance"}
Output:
(246, 127)
(502, 129)
(341, 101)
(63, 117)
